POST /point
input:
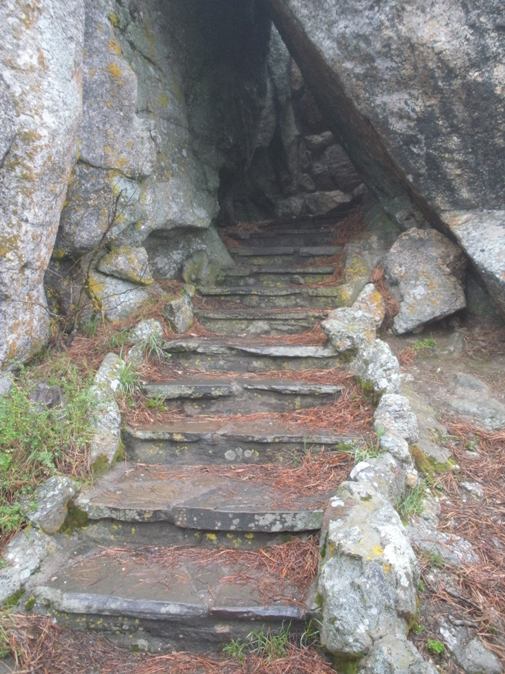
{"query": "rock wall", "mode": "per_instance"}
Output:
(414, 91)
(116, 117)
(297, 167)
(40, 111)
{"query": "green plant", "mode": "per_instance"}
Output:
(236, 649)
(37, 442)
(262, 643)
(118, 339)
(436, 560)
(269, 645)
(412, 503)
(310, 636)
(425, 344)
(152, 347)
(417, 627)
(156, 403)
(90, 327)
(435, 646)
(129, 380)
(368, 451)
(5, 649)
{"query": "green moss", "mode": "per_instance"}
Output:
(13, 600)
(346, 665)
(100, 466)
(428, 465)
(369, 391)
(30, 603)
(76, 519)
(120, 454)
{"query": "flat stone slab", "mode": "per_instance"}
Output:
(183, 585)
(279, 270)
(223, 346)
(265, 291)
(261, 431)
(194, 441)
(273, 251)
(198, 497)
(261, 314)
(194, 388)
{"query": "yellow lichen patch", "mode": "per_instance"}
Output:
(8, 244)
(115, 71)
(376, 551)
(356, 268)
(115, 47)
(58, 253)
(114, 19)
(163, 101)
(211, 537)
(30, 12)
(41, 60)
(95, 290)
(30, 136)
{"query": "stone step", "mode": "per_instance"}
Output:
(219, 440)
(290, 238)
(232, 396)
(302, 223)
(259, 321)
(328, 297)
(108, 532)
(243, 355)
(295, 251)
(217, 498)
(282, 261)
(272, 275)
(173, 598)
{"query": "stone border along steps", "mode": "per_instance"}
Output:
(199, 596)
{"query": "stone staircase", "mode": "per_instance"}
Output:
(205, 531)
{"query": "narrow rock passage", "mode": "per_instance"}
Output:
(209, 529)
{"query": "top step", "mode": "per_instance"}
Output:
(278, 251)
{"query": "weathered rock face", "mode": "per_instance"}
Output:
(415, 93)
(297, 167)
(482, 235)
(425, 272)
(130, 110)
(40, 106)
(137, 169)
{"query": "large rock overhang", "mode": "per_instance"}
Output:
(415, 94)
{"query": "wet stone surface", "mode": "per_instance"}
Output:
(197, 498)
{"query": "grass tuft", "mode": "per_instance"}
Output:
(412, 503)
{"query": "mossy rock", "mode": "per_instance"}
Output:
(428, 465)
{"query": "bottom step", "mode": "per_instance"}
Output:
(185, 596)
